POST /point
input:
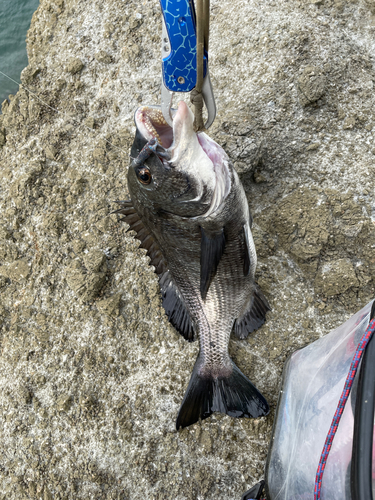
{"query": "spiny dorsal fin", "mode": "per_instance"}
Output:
(173, 301)
(254, 317)
(212, 249)
(148, 242)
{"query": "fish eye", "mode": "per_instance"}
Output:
(144, 175)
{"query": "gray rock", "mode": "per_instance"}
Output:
(109, 306)
(64, 402)
(74, 66)
(103, 57)
(90, 122)
(311, 85)
(335, 277)
(29, 73)
(94, 260)
(17, 271)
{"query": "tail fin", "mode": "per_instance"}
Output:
(234, 395)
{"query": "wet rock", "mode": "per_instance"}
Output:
(29, 73)
(311, 85)
(335, 277)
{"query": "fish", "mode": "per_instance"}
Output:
(189, 211)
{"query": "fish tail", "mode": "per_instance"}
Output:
(234, 395)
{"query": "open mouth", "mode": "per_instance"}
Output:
(151, 123)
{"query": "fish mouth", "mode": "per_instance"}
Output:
(152, 125)
(195, 153)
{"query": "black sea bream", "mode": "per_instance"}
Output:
(190, 212)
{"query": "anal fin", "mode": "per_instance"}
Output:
(254, 317)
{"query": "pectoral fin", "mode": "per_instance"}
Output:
(212, 249)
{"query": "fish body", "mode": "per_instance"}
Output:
(190, 211)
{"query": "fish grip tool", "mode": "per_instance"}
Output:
(185, 58)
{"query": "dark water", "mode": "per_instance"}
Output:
(15, 17)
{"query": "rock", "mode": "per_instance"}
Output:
(335, 277)
(17, 271)
(103, 57)
(94, 260)
(74, 66)
(64, 402)
(25, 395)
(109, 306)
(258, 178)
(311, 85)
(29, 73)
(313, 147)
(51, 152)
(99, 154)
(86, 285)
(205, 441)
(2, 137)
(349, 123)
(90, 122)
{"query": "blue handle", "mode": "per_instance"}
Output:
(180, 66)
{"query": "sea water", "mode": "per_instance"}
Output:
(15, 17)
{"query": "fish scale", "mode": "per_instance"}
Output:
(190, 212)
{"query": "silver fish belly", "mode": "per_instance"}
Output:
(190, 212)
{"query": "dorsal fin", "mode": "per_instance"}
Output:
(212, 249)
(175, 307)
(147, 240)
(173, 301)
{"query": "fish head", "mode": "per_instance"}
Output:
(187, 174)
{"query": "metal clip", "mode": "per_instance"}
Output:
(179, 48)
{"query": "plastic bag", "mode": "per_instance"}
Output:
(313, 380)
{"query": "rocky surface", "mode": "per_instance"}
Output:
(91, 373)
